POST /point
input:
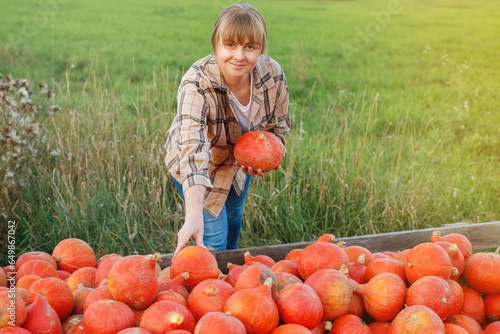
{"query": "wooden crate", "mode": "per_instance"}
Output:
(481, 235)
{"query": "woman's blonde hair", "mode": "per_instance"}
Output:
(239, 21)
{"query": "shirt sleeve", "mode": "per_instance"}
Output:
(192, 141)
(282, 110)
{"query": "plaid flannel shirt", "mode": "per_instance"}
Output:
(201, 140)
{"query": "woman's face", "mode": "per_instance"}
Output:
(237, 59)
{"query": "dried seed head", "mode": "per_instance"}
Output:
(42, 84)
(50, 94)
(9, 77)
(54, 109)
(23, 83)
(23, 92)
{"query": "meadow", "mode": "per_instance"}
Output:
(394, 107)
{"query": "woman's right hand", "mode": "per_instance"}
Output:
(193, 224)
(193, 227)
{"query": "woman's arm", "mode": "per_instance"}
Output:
(193, 223)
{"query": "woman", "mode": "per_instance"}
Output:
(235, 89)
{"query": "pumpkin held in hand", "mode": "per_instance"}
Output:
(259, 150)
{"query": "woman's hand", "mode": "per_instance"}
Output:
(193, 225)
(252, 171)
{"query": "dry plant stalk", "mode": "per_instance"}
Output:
(22, 129)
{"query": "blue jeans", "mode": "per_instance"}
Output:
(222, 232)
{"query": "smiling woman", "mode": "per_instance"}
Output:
(234, 90)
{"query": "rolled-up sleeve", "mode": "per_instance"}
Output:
(282, 109)
(192, 141)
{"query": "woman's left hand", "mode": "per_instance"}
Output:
(252, 171)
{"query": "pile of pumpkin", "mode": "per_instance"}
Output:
(435, 287)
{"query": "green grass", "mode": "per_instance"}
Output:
(394, 131)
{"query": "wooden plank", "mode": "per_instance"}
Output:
(481, 235)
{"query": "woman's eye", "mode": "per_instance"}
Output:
(250, 47)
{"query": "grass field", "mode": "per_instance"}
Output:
(394, 105)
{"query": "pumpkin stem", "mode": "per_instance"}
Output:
(498, 250)
(228, 312)
(154, 257)
(344, 270)
(269, 282)
(361, 258)
(328, 325)
(176, 318)
(443, 300)
(453, 248)
(229, 264)
(246, 254)
(185, 275)
(221, 275)
(210, 291)
(341, 243)
(75, 321)
(455, 271)
(437, 233)
(326, 238)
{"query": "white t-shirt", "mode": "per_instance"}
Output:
(241, 111)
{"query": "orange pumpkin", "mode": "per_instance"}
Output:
(132, 280)
(264, 259)
(57, 293)
(473, 304)
(383, 296)
(350, 323)
(493, 328)
(454, 329)
(433, 292)
(172, 296)
(99, 293)
(9, 313)
(294, 254)
(37, 267)
(79, 296)
(26, 281)
(291, 329)
(72, 254)
(198, 262)
(417, 319)
(458, 296)
(107, 317)
(41, 317)
(427, 259)
(85, 276)
(255, 308)
(259, 150)
(322, 254)
(283, 279)
(460, 240)
(104, 267)
(23, 258)
(334, 291)
(209, 296)
(465, 322)
(380, 327)
(165, 316)
(384, 265)
(492, 307)
(354, 252)
(70, 322)
(298, 303)
(218, 322)
(137, 331)
(481, 272)
(176, 284)
(286, 266)
(254, 275)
